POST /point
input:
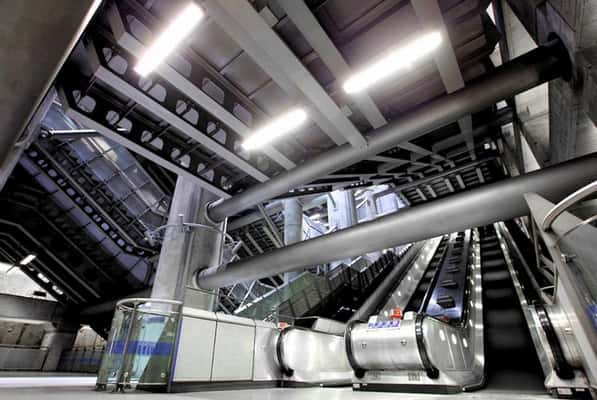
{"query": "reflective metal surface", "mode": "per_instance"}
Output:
(573, 257)
(390, 354)
(386, 348)
(566, 203)
(314, 357)
(266, 366)
(403, 292)
(540, 340)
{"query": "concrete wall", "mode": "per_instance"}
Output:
(533, 105)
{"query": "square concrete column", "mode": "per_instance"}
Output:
(342, 213)
(186, 249)
(371, 207)
(293, 228)
(58, 337)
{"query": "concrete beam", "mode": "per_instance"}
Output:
(240, 20)
(431, 18)
(30, 63)
(29, 310)
(307, 24)
(136, 48)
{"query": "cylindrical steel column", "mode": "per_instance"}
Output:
(529, 70)
(494, 202)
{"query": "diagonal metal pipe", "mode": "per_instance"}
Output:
(494, 202)
(529, 70)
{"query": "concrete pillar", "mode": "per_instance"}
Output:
(186, 249)
(293, 228)
(342, 214)
(372, 211)
(57, 338)
(371, 205)
(207, 250)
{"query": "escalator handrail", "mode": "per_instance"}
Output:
(432, 371)
(286, 370)
(563, 369)
(358, 371)
(434, 279)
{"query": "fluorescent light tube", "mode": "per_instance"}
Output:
(73, 131)
(395, 61)
(279, 126)
(178, 29)
(27, 259)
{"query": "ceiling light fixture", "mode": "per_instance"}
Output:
(73, 131)
(395, 61)
(279, 126)
(27, 259)
(178, 29)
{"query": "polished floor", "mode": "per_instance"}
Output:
(78, 388)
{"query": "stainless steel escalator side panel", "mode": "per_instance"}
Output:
(391, 357)
(401, 296)
(573, 248)
(458, 352)
(265, 364)
(563, 329)
(375, 347)
(313, 358)
(558, 319)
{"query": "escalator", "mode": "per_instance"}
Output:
(466, 320)
(418, 298)
(453, 317)
(510, 355)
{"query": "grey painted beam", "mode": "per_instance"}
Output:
(271, 209)
(502, 117)
(518, 75)
(431, 18)
(487, 204)
(115, 82)
(273, 229)
(442, 174)
(307, 24)
(240, 20)
(136, 48)
(134, 147)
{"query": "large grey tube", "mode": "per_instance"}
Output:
(381, 292)
(522, 73)
(494, 202)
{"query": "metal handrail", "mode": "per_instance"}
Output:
(569, 201)
(575, 227)
(132, 303)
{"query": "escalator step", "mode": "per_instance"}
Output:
(448, 283)
(492, 253)
(446, 301)
(493, 263)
